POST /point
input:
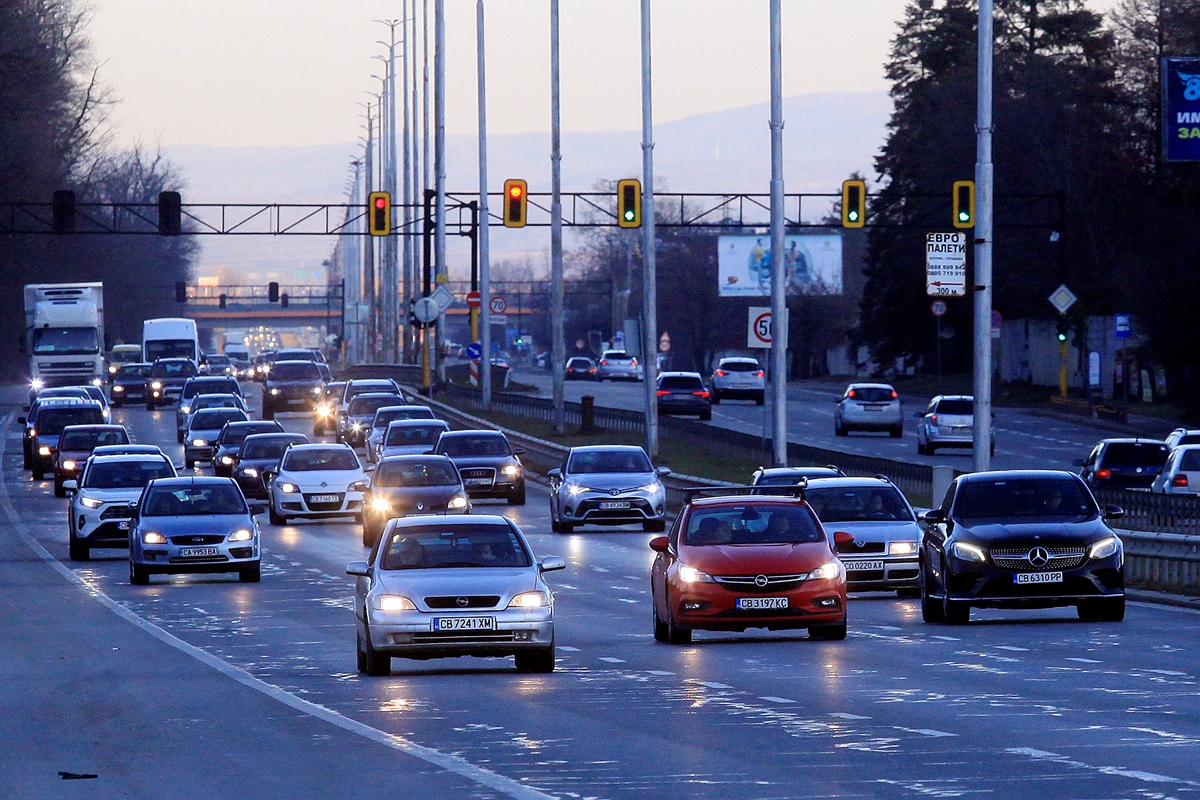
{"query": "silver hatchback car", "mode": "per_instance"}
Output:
(948, 421)
(738, 379)
(453, 586)
(619, 365)
(869, 407)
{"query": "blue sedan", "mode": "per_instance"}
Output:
(194, 524)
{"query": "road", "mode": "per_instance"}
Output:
(1024, 440)
(201, 686)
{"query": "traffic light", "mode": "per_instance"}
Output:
(180, 292)
(379, 213)
(964, 204)
(516, 202)
(1064, 327)
(273, 292)
(629, 203)
(64, 211)
(854, 204)
(283, 300)
(170, 213)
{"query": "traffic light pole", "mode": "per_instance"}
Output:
(779, 326)
(649, 274)
(982, 429)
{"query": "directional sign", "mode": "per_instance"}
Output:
(1124, 326)
(758, 333)
(474, 351)
(946, 264)
(474, 299)
(443, 297)
(938, 307)
(426, 309)
(1062, 299)
(497, 305)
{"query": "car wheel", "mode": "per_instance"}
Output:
(318, 430)
(138, 575)
(930, 449)
(992, 449)
(555, 525)
(179, 436)
(517, 498)
(931, 609)
(654, 526)
(676, 634)
(897, 432)
(268, 412)
(368, 535)
(250, 574)
(761, 399)
(360, 656)
(839, 430)
(1106, 610)
(26, 457)
(377, 664)
(59, 491)
(275, 517)
(828, 632)
(38, 472)
(956, 612)
(660, 627)
(536, 660)
(149, 406)
(189, 463)
(566, 527)
(706, 415)
(77, 550)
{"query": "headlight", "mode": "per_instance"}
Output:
(68, 465)
(323, 411)
(693, 575)
(1105, 548)
(250, 472)
(288, 488)
(185, 409)
(458, 501)
(317, 390)
(529, 600)
(511, 470)
(198, 443)
(826, 571)
(112, 370)
(91, 502)
(274, 391)
(651, 488)
(902, 548)
(227, 460)
(394, 602)
(37, 383)
(967, 552)
(118, 388)
(577, 489)
(150, 537)
(43, 450)
(33, 433)
(356, 427)
(156, 385)
(381, 504)
(242, 535)
(97, 382)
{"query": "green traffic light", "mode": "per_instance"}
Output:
(629, 214)
(1062, 337)
(963, 216)
(853, 216)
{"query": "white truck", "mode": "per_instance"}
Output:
(64, 334)
(170, 337)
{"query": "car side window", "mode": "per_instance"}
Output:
(948, 500)
(673, 536)
(932, 408)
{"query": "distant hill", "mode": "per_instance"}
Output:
(826, 137)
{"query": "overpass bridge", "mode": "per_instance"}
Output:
(218, 307)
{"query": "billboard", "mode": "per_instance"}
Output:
(813, 265)
(1180, 78)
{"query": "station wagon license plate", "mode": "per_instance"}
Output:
(852, 566)
(324, 498)
(614, 504)
(1025, 578)
(464, 623)
(761, 603)
(195, 552)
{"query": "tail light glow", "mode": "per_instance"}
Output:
(1104, 474)
(1180, 480)
(701, 393)
(721, 373)
(663, 392)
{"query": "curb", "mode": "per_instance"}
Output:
(1163, 599)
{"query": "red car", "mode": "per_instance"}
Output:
(755, 561)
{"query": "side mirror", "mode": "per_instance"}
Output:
(554, 474)
(360, 486)
(178, 467)
(358, 568)
(70, 486)
(518, 451)
(663, 471)
(659, 544)
(257, 509)
(1079, 462)
(934, 515)
(370, 467)
(1113, 512)
(842, 537)
(552, 564)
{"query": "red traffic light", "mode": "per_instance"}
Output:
(515, 190)
(380, 202)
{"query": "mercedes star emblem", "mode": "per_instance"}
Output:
(1039, 556)
(462, 602)
(760, 580)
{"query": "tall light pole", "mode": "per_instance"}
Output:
(558, 349)
(485, 267)
(982, 430)
(439, 111)
(649, 276)
(369, 249)
(779, 327)
(406, 209)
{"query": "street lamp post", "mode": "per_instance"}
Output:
(649, 276)
(557, 338)
(982, 429)
(485, 272)
(779, 327)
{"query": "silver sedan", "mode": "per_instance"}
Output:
(453, 586)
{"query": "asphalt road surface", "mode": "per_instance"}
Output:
(200, 686)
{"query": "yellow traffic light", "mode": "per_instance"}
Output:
(964, 204)
(854, 204)
(629, 203)
(516, 202)
(379, 213)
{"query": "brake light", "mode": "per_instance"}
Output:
(663, 392)
(1104, 474)
(850, 393)
(1180, 480)
(701, 393)
(593, 369)
(760, 374)
(721, 373)
(633, 362)
(933, 419)
(895, 394)
(603, 362)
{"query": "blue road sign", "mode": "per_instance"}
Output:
(474, 351)
(1180, 78)
(1123, 325)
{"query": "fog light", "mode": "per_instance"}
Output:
(826, 602)
(692, 606)
(68, 465)
(523, 636)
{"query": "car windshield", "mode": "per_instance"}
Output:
(295, 355)
(194, 501)
(236, 434)
(1023, 497)
(173, 369)
(402, 435)
(681, 383)
(339, 458)
(359, 388)
(295, 371)
(64, 341)
(386, 415)
(51, 421)
(133, 371)
(459, 546)
(594, 461)
(125, 356)
(170, 348)
(220, 361)
(1135, 454)
(858, 503)
(611, 356)
(433, 472)
(367, 406)
(965, 408)
(215, 401)
(791, 479)
(215, 418)
(218, 386)
(578, 363)
(482, 445)
(87, 440)
(752, 524)
(874, 394)
(739, 366)
(126, 474)
(269, 448)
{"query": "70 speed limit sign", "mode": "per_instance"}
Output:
(758, 332)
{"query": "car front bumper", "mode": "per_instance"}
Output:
(300, 504)
(163, 559)
(597, 509)
(410, 634)
(713, 606)
(986, 585)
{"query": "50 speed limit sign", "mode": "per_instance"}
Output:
(759, 329)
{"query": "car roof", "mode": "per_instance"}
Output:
(742, 499)
(213, 379)
(194, 480)
(217, 394)
(127, 449)
(472, 432)
(400, 423)
(95, 426)
(606, 448)
(369, 395)
(875, 386)
(737, 358)
(795, 470)
(679, 374)
(1132, 440)
(248, 422)
(372, 382)
(70, 402)
(258, 437)
(832, 483)
(955, 397)
(617, 354)
(1014, 474)
(398, 406)
(456, 520)
(323, 446)
(278, 362)
(415, 457)
(108, 458)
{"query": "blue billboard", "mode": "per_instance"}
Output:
(1180, 79)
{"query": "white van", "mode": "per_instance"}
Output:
(170, 337)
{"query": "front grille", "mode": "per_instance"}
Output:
(866, 547)
(199, 560)
(117, 512)
(333, 506)
(479, 472)
(197, 539)
(473, 601)
(749, 583)
(1017, 558)
(63, 366)
(462, 637)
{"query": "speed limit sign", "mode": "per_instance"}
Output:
(758, 332)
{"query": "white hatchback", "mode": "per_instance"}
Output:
(1181, 473)
(317, 481)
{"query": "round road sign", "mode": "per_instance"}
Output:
(762, 328)
(474, 299)
(497, 305)
(938, 307)
(474, 351)
(426, 309)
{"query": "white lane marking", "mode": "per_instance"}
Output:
(612, 660)
(783, 700)
(1012, 649)
(714, 685)
(627, 600)
(450, 763)
(566, 586)
(1171, 672)
(599, 569)
(634, 578)
(569, 649)
(661, 672)
(844, 715)
(1084, 660)
(924, 731)
(946, 638)
(1136, 774)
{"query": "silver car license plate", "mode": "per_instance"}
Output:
(1025, 578)
(323, 498)
(195, 552)
(610, 505)
(464, 623)
(759, 603)
(478, 482)
(852, 566)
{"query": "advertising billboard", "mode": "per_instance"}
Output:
(1180, 79)
(813, 265)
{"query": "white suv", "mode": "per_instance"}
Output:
(104, 497)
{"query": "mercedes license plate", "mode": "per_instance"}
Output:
(464, 623)
(123, 525)
(852, 566)
(195, 552)
(760, 603)
(609, 505)
(324, 498)
(1023, 578)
